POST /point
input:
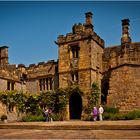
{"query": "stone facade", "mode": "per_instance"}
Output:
(28, 79)
(121, 81)
(82, 60)
(124, 88)
(42, 76)
(33, 79)
(122, 77)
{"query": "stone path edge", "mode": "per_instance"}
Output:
(74, 125)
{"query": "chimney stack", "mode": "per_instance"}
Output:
(4, 56)
(88, 25)
(125, 32)
(88, 18)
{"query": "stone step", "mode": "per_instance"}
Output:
(74, 125)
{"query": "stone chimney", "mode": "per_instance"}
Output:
(3, 55)
(88, 24)
(88, 18)
(125, 32)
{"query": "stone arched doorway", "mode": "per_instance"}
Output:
(75, 106)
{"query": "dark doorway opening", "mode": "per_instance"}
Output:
(75, 106)
(105, 87)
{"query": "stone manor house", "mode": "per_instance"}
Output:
(82, 59)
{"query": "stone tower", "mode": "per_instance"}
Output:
(80, 61)
(3, 55)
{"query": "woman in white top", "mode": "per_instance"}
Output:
(101, 110)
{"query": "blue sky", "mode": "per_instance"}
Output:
(30, 28)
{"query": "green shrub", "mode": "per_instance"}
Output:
(111, 110)
(136, 113)
(89, 118)
(119, 116)
(132, 115)
(111, 116)
(108, 116)
(57, 117)
(33, 118)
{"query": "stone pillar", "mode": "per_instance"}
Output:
(48, 83)
(67, 112)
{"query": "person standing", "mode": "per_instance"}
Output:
(95, 113)
(50, 115)
(101, 111)
(47, 115)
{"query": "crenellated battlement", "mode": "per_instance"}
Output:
(41, 69)
(78, 28)
(42, 64)
(71, 37)
(81, 32)
(14, 72)
(116, 56)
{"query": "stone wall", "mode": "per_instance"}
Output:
(124, 87)
(39, 71)
(32, 86)
(121, 76)
(3, 84)
(89, 61)
(2, 109)
(9, 73)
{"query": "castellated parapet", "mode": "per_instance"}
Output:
(126, 53)
(41, 69)
(115, 57)
(79, 33)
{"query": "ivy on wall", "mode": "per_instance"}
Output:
(36, 103)
(93, 98)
